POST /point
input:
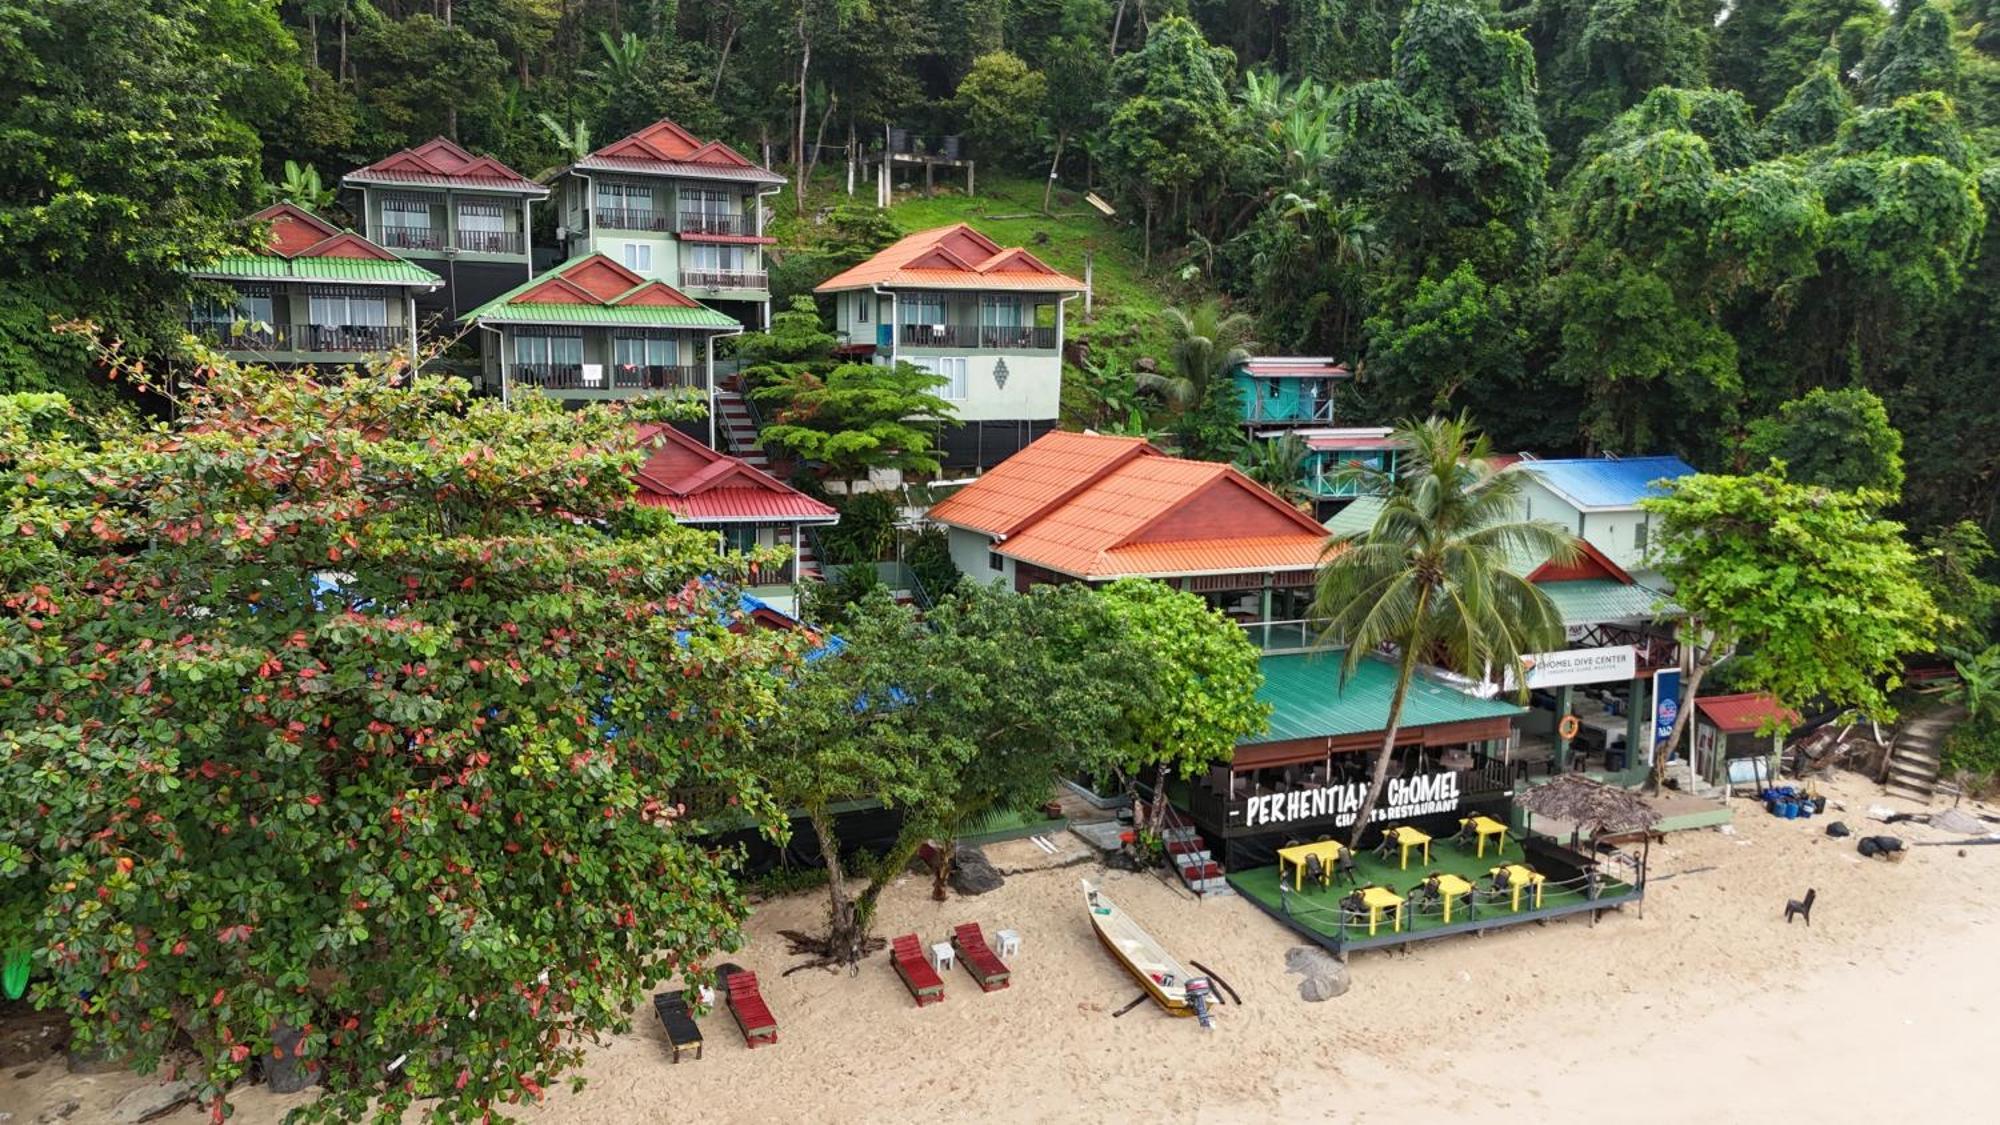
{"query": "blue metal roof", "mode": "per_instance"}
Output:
(1607, 482)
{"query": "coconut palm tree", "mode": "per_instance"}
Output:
(1279, 465)
(1431, 576)
(1205, 344)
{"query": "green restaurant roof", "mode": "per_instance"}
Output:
(270, 267)
(636, 316)
(1589, 601)
(1308, 700)
(1357, 517)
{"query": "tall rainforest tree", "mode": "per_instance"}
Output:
(363, 726)
(1431, 576)
(123, 164)
(1169, 131)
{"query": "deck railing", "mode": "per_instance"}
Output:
(656, 376)
(978, 336)
(707, 222)
(398, 237)
(1287, 636)
(724, 279)
(490, 241)
(631, 218)
(620, 377)
(355, 338)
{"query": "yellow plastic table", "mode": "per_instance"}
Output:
(1519, 876)
(1376, 899)
(1328, 852)
(1407, 838)
(1449, 887)
(1486, 826)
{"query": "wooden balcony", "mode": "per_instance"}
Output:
(398, 237)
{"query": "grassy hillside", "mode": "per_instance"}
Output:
(1008, 211)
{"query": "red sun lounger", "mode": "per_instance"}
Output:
(922, 980)
(752, 1015)
(978, 958)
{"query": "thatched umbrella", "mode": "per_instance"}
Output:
(1589, 804)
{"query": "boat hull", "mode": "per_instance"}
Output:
(1172, 1005)
(1139, 953)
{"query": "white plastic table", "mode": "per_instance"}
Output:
(941, 957)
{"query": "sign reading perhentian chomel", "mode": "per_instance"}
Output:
(1403, 798)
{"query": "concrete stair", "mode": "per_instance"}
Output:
(739, 433)
(1914, 758)
(1193, 861)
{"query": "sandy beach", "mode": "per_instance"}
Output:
(1708, 1005)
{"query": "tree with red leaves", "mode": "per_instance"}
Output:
(366, 716)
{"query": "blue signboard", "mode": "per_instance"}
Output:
(1666, 703)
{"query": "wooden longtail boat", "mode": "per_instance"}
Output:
(1163, 978)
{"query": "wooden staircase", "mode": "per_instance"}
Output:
(1914, 758)
(1191, 857)
(739, 429)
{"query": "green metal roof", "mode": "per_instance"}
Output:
(269, 267)
(1356, 518)
(1308, 701)
(636, 316)
(1589, 601)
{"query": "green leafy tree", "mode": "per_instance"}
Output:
(368, 715)
(857, 417)
(980, 707)
(1812, 113)
(1199, 698)
(1279, 464)
(1455, 342)
(1916, 53)
(1764, 49)
(426, 75)
(1001, 100)
(1809, 593)
(1205, 346)
(1596, 58)
(124, 164)
(1431, 575)
(1835, 439)
(1955, 563)
(795, 341)
(1169, 130)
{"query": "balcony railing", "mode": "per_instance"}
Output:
(706, 222)
(618, 377)
(1287, 636)
(631, 218)
(724, 279)
(975, 336)
(1297, 410)
(490, 241)
(356, 338)
(656, 376)
(398, 237)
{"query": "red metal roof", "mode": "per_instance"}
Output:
(1105, 507)
(664, 148)
(699, 485)
(1744, 713)
(440, 163)
(954, 257)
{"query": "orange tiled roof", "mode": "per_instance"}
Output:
(1050, 467)
(954, 257)
(1105, 507)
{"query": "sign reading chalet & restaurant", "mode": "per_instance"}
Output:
(1402, 799)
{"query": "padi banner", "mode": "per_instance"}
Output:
(1402, 799)
(1666, 707)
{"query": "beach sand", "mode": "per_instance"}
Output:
(1708, 1005)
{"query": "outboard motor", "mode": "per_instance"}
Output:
(1197, 994)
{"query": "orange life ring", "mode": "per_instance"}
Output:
(1568, 727)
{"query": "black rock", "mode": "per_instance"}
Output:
(288, 1074)
(1838, 829)
(972, 874)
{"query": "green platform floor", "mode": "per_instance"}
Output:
(1317, 909)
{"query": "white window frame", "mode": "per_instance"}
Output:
(951, 367)
(639, 257)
